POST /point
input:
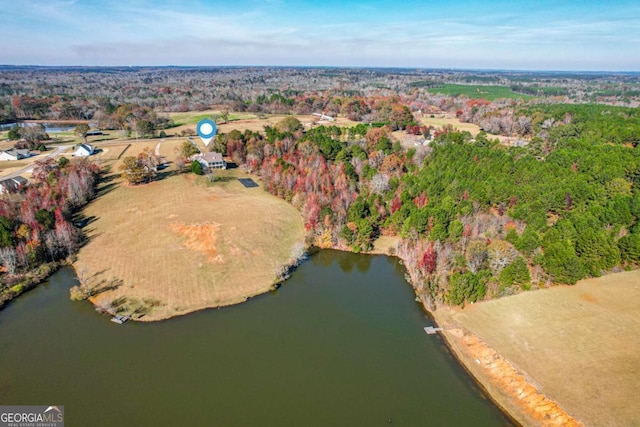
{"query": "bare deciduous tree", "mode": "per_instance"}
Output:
(9, 258)
(501, 254)
(476, 255)
(379, 184)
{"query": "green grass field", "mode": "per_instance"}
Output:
(478, 91)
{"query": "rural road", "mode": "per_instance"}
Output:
(59, 150)
(158, 147)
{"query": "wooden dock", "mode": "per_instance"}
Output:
(119, 319)
(431, 330)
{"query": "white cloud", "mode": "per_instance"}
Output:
(146, 33)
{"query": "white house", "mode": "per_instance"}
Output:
(84, 150)
(210, 160)
(14, 154)
(324, 117)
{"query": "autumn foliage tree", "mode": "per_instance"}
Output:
(140, 169)
(35, 223)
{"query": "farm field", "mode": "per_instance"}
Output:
(441, 120)
(241, 121)
(187, 245)
(579, 345)
(193, 117)
(490, 93)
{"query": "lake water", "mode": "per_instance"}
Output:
(48, 127)
(339, 344)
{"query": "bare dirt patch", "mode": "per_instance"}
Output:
(588, 298)
(578, 345)
(200, 237)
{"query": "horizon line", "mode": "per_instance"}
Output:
(403, 67)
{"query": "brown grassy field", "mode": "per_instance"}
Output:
(13, 165)
(242, 121)
(448, 119)
(188, 244)
(440, 120)
(112, 152)
(578, 345)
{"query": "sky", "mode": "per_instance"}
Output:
(585, 35)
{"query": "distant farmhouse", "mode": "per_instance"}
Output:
(84, 150)
(324, 117)
(12, 185)
(210, 160)
(14, 154)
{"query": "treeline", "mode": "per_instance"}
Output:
(551, 123)
(145, 121)
(476, 218)
(36, 223)
(540, 90)
(591, 123)
(79, 94)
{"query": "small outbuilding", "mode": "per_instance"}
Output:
(84, 150)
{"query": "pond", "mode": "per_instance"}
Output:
(341, 343)
(48, 127)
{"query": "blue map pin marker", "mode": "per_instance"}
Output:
(206, 130)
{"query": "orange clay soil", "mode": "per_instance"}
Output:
(200, 237)
(524, 402)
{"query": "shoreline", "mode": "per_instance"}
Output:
(536, 410)
(31, 280)
(499, 379)
(520, 402)
(506, 386)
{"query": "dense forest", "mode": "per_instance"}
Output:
(476, 218)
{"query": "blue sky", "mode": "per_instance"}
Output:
(532, 35)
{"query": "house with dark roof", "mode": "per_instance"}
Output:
(14, 154)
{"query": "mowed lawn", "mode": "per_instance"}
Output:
(579, 345)
(189, 244)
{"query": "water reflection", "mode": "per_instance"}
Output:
(346, 260)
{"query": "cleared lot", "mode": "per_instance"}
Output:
(579, 345)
